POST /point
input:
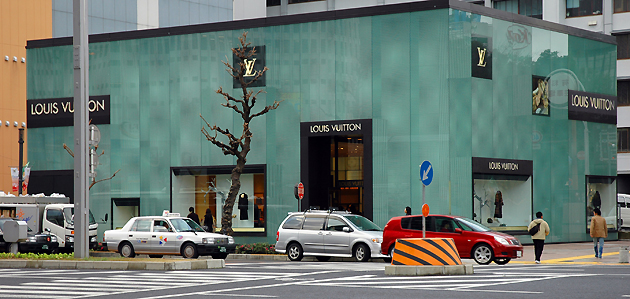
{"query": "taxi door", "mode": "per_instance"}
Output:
(139, 235)
(163, 237)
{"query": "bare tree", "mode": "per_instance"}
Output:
(237, 146)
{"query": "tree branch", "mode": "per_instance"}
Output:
(109, 178)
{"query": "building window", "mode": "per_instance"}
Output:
(623, 145)
(206, 189)
(601, 193)
(623, 46)
(623, 93)
(580, 8)
(273, 3)
(530, 8)
(622, 5)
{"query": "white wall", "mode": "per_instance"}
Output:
(249, 9)
(148, 14)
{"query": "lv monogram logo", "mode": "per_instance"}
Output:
(482, 56)
(249, 68)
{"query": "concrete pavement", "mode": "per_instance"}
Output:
(581, 253)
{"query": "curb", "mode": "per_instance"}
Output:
(403, 270)
(115, 265)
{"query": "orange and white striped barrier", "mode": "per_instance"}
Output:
(425, 252)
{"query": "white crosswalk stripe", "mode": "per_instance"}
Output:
(75, 283)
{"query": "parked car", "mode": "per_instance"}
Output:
(36, 243)
(169, 234)
(472, 239)
(326, 234)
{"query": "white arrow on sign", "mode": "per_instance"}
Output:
(425, 174)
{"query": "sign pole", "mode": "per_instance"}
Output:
(424, 219)
(426, 177)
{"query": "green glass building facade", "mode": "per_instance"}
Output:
(368, 94)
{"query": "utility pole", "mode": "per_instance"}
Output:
(21, 157)
(81, 96)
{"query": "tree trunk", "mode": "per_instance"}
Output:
(228, 207)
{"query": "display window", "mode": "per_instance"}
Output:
(502, 193)
(502, 202)
(206, 189)
(601, 193)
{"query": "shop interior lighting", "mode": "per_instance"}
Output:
(14, 59)
(7, 123)
(23, 60)
(15, 124)
(23, 124)
(6, 58)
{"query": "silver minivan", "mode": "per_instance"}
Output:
(326, 234)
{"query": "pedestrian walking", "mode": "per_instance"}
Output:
(541, 232)
(192, 215)
(599, 231)
(407, 210)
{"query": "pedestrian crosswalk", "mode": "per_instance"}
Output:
(239, 278)
(83, 284)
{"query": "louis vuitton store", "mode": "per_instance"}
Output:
(505, 107)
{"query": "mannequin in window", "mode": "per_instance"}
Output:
(597, 201)
(498, 205)
(243, 205)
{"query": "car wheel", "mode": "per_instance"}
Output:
(502, 260)
(155, 256)
(219, 256)
(361, 253)
(189, 251)
(391, 254)
(295, 252)
(126, 250)
(322, 258)
(483, 254)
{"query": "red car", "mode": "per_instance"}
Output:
(473, 240)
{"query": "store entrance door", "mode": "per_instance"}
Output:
(337, 167)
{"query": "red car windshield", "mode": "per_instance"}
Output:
(472, 225)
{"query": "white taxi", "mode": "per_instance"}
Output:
(168, 234)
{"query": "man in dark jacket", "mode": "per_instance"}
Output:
(192, 215)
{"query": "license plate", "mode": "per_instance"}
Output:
(44, 246)
(519, 253)
(222, 249)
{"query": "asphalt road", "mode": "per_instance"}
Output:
(247, 279)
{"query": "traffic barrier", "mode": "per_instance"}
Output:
(425, 252)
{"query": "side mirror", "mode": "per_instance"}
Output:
(346, 229)
(458, 230)
(47, 229)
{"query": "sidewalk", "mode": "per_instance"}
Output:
(582, 253)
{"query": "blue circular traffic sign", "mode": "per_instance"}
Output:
(426, 173)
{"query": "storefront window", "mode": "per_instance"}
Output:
(503, 202)
(602, 194)
(206, 189)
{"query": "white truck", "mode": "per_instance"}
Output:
(51, 214)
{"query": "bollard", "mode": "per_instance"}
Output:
(623, 254)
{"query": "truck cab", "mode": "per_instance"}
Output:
(59, 218)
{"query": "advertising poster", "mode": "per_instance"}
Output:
(15, 179)
(540, 96)
(26, 174)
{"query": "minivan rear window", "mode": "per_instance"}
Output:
(294, 222)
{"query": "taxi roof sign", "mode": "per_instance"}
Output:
(166, 213)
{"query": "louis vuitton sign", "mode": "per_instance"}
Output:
(593, 107)
(481, 59)
(59, 112)
(253, 66)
